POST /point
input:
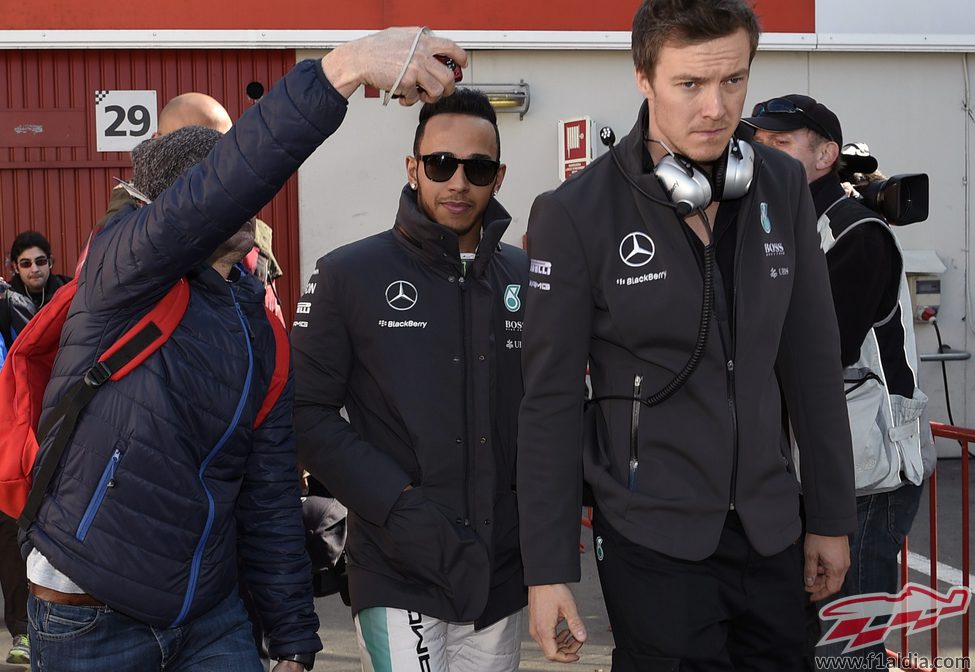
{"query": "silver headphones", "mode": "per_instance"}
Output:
(689, 187)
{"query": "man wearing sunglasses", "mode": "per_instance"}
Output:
(31, 256)
(31, 286)
(416, 332)
(877, 347)
(696, 517)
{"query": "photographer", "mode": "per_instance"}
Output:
(878, 352)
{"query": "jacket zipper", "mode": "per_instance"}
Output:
(465, 391)
(635, 432)
(730, 367)
(730, 377)
(201, 544)
(104, 483)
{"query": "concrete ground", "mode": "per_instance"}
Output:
(341, 653)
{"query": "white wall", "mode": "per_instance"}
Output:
(907, 107)
(357, 196)
(895, 16)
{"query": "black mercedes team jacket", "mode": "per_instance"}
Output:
(427, 363)
(615, 282)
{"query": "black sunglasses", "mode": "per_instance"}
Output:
(785, 106)
(25, 263)
(441, 167)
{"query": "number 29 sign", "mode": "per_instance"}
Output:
(123, 119)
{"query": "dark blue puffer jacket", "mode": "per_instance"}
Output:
(166, 482)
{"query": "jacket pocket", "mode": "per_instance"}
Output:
(873, 463)
(62, 622)
(106, 481)
(905, 433)
(426, 545)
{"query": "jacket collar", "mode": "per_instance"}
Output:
(437, 245)
(246, 288)
(54, 283)
(632, 149)
(826, 191)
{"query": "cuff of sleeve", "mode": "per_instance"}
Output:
(336, 97)
(311, 644)
(544, 575)
(831, 527)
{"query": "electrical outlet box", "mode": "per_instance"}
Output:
(925, 293)
(924, 269)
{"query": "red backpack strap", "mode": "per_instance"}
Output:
(134, 346)
(282, 361)
(149, 333)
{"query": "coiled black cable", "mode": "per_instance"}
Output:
(707, 303)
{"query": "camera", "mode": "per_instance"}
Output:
(901, 199)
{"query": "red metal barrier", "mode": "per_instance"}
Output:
(965, 437)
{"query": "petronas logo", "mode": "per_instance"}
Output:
(766, 222)
(511, 300)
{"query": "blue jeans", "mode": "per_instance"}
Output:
(883, 520)
(882, 523)
(85, 639)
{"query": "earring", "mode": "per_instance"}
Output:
(495, 192)
(413, 186)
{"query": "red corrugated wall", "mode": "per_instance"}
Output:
(60, 184)
(778, 16)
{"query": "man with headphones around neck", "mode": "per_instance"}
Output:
(696, 528)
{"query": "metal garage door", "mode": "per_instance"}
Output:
(53, 180)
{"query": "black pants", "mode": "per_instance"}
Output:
(13, 578)
(734, 611)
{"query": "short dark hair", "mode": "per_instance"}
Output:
(27, 240)
(471, 102)
(658, 22)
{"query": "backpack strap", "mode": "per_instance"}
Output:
(282, 362)
(135, 345)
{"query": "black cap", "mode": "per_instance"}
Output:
(795, 111)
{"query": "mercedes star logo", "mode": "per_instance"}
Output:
(401, 295)
(636, 249)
